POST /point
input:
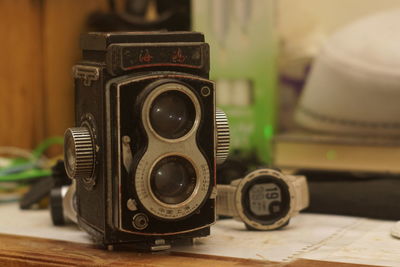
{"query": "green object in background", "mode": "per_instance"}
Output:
(243, 44)
(28, 168)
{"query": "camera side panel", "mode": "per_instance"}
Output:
(89, 112)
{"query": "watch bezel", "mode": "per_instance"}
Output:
(244, 184)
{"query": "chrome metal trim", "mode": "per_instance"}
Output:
(162, 89)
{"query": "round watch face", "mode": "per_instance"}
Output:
(266, 199)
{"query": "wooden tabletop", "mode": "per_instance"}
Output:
(29, 251)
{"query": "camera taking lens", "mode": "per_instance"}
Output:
(173, 180)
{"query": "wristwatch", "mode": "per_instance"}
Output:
(265, 199)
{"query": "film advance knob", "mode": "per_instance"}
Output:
(223, 137)
(79, 153)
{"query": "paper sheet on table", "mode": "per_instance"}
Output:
(311, 236)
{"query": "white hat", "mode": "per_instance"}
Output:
(354, 85)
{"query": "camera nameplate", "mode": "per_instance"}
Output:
(125, 57)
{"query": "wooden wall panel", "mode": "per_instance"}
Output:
(64, 21)
(39, 43)
(21, 78)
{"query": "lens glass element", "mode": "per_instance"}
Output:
(172, 114)
(173, 180)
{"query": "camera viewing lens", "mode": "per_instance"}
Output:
(172, 114)
(173, 180)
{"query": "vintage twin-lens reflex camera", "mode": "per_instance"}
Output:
(147, 138)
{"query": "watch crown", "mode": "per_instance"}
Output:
(223, 137)
(79, 153)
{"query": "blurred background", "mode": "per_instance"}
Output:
(262, 52)
(40, 43)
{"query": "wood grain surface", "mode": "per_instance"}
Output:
(21, 73)
(39, 43)
(63, 23)
(28, 251)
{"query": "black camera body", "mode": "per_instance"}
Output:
(145, 146)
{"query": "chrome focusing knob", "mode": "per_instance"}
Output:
(79, 153)
(223, 137)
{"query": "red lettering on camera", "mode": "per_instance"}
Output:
(145, 57)
(178, 57)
